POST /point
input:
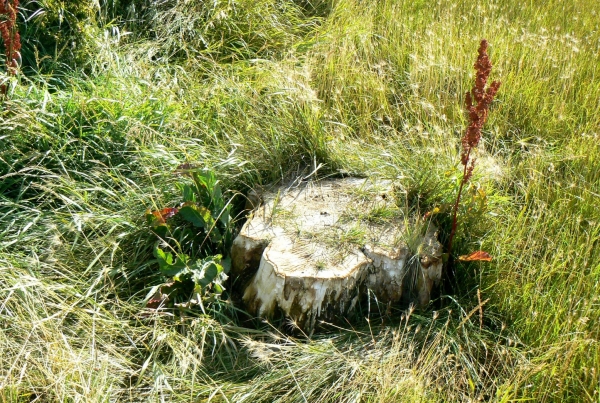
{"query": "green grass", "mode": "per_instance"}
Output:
(270, 90)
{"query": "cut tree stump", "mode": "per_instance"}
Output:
(313, 251)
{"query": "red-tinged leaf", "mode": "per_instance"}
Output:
(168, 212)
(480, 256)
(161, 296)
(164, 214)
(154, 302)
(158, 218)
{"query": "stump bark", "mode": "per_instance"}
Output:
(313, 251)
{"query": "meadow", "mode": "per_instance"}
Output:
(112, 96)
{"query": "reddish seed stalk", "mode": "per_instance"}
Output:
(477, 103)
(10, 38)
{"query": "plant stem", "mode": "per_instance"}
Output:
(456, 203)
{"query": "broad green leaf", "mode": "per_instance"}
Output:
(202, 184)
(210, 271)
(174, 270)
(164, 258)
(161, 230)
(167, 266)
(188, 194)
(199, 216)
(226, 264)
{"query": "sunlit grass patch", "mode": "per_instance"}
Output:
(258, 92)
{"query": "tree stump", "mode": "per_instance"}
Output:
(314, 250)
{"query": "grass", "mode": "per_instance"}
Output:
(363, 88)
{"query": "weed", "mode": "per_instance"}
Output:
(477, 103)
(10, 38)
(194, 239)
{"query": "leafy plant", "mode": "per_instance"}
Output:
(194, 239)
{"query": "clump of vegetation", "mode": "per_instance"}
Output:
(194, 241)
(220, 30)
(59, 35)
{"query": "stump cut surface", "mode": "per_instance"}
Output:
(314, 250)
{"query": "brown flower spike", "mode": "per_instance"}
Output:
(10, 37)
(477, 104)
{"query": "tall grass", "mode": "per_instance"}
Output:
(368, 88)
